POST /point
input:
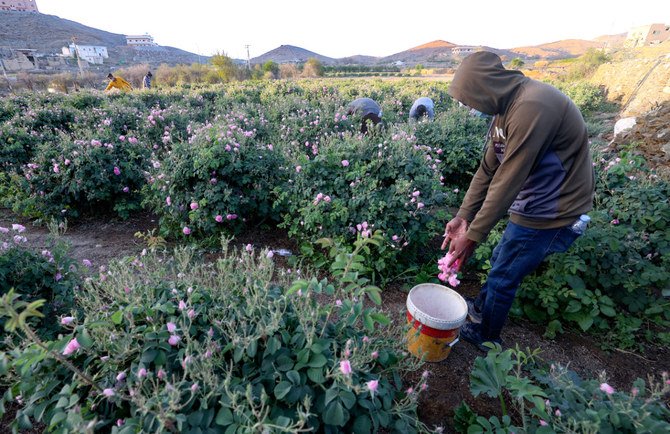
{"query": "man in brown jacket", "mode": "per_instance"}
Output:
(537, 167)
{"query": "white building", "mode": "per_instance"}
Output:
(140, 40)
(18, 5)
(90, 53)
(651, 34)
(463, 50)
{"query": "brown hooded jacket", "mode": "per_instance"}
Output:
(537, 164)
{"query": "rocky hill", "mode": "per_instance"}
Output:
(291, 54)
(559, 49)
(27, 30)
(435, 51)
(638, 79)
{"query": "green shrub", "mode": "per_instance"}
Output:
(50, 274)
(218, 181)
(588, 97)
(66, 178)
(549, 399)
(356, 185)
(170, 344)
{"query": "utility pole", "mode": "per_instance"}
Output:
(248, 58)
(4, 72)
(76, 56)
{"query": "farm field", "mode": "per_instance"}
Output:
(170, 305)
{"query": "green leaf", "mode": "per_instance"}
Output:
(348, 398)
(362, 425)
(57, 418)
(282, 389)
(335, 414)
(585, 321)
(297, 285)
(84, 339)
(224, 417)
(317, 361)
(316, 375)
(374, 294)
(607, 311)
(380, 318)
(489, 374)
(368, 322)
(117, 317)
(294, 377)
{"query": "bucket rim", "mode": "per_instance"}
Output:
(431, 321)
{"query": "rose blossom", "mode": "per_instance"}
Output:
(372, 386)
(345, 367)
(71, 347)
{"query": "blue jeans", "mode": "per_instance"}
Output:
(518, 253)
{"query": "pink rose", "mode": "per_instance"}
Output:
(117, 171)
(174, 340)
(67, 320)
(108, 393)
(345, 367)
(186, 230)
(607, 388)
(345, 163)
(372, 386)
(194, 205)
(172, 327)
(71, 347)
(219, 218)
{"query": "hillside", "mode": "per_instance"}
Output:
(638, 79)
(291, 54)
(558, 49)
(436, 51)
(28, 30)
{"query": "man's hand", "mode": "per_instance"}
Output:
(456, 227)
(461, 249)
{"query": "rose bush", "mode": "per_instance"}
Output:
(171, 344)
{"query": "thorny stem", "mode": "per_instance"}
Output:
(36, 340)
(33, 337)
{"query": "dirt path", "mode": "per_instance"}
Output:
(101, 241)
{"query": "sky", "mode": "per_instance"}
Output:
(349, 27)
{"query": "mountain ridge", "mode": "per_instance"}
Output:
(27, 30)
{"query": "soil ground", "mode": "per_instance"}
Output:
(103, 240)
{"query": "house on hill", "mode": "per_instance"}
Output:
(18, 5)
(90, 53)
(145, 40)
(651, 34)
(463, 50)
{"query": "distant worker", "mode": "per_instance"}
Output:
(146, 81)
(367, 109)
(422, 107)
(118, 83)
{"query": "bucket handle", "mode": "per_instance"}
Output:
(452, 343)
